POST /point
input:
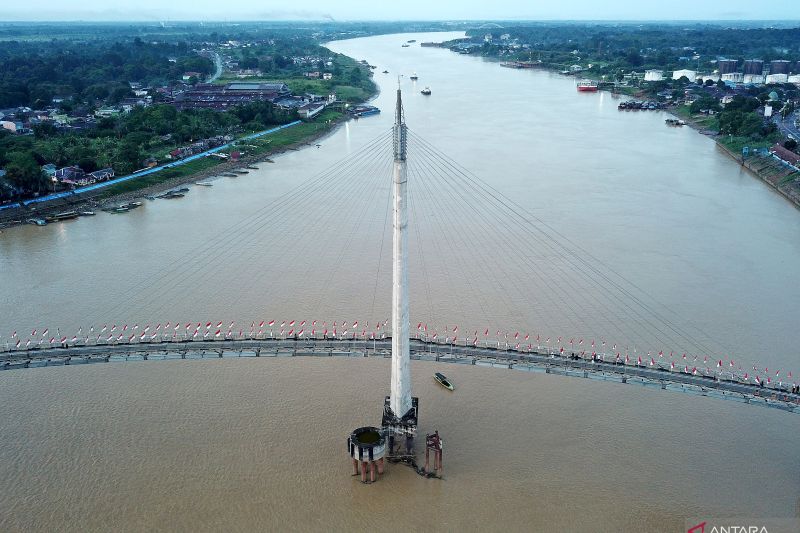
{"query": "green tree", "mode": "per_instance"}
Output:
(23, 171)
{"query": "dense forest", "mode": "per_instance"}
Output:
(32, 73)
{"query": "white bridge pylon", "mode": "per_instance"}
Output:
(400, 398)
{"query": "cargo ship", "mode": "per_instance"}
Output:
(589, 86)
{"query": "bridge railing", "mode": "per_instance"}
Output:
(471, 353)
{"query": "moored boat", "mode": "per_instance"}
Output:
(426, 91)
(414, 77)
(68, 215)
(587, 86)
(443, 381)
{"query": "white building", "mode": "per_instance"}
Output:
(756, 79)
(794, 79)
(767, 111)
(690, 74)
(736, 77)
(653, 75)
(777, 78)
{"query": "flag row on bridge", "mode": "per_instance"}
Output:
(448, 335)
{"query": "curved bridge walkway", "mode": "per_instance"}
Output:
(530, 361)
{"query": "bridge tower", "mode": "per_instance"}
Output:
(400, 409)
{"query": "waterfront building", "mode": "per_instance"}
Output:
(690, 74)
(727, 66)
(785, 155)
(754, 67)
(795, 78)
(653, 75)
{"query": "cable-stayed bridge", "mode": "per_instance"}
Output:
(480, 268)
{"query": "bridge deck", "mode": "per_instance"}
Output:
(533, 361)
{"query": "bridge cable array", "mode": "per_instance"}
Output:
(478, 259)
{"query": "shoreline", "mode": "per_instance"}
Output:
(792, 195)
(102, 199)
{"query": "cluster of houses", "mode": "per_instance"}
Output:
(223, 97)
(315, 75)
(74, 176)
(199, 147)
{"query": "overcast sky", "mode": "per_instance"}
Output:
(148, 10)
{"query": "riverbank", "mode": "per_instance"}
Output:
(258, 150)
(780, 178)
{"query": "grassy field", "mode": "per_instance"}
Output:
(735, 144)
(705, 122)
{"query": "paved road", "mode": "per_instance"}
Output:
(788, 126)
(218, 72)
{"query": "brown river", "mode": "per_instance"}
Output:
(259, 444)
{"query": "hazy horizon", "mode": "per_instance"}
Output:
(411, 10)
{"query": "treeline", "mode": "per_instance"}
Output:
(637, 46)
(275, 60)
(33, 73)
(124, 142)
